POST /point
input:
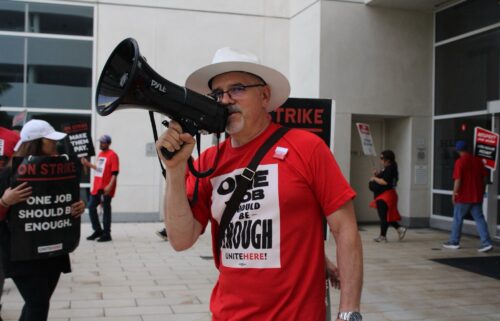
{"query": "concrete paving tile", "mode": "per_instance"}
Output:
(170, 299)
(189, 308)
(71, 313)
(126, 318)
(138, 310)
(135, 295)
(83, 304)
(179, 317)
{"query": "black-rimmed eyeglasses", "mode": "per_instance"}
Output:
(235, 92)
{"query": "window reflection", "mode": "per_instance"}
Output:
(447, 132)
(467, 73)
(60, 19)
(59, 73)
(12, 16)
(11, 71)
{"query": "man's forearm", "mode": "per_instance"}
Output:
(350, 265)
(180, 223)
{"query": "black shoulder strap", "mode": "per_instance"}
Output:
(243, 182)
(155, 136)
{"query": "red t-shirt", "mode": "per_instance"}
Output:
(272, 268)
(8, 139)
(470, 171)
(107, 163)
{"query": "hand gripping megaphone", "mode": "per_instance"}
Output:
(127, 81)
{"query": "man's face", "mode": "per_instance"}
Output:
(249, 108)
(103, 146)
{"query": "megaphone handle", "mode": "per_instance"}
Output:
(167, 154)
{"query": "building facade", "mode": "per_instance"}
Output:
(412, 70)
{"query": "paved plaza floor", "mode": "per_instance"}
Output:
(138, 277)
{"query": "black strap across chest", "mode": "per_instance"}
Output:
(243, 182)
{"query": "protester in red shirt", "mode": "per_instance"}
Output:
(8, 140)
(106, 169)
(469, 175)
(271, 261)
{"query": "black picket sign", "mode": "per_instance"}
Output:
(80, 139)
(42, 226)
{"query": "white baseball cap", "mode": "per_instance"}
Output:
(229, 59)
(35, 129)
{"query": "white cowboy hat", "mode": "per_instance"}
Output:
(35, 129)
(229, 59)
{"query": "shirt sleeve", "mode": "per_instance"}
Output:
(457, 170)
(329, 185)
(115, 164)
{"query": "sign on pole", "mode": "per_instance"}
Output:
(79, 138)
(19, 119)
(486, 146)
(366, 139)
(43, 226)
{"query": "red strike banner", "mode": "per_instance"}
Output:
(486, 146)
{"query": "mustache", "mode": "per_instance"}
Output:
(233, 109)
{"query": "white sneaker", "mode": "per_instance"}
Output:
(485, 248)
(401, 232)
(380, 239)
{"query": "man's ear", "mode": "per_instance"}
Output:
(266, 95)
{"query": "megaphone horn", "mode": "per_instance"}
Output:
(127, 81)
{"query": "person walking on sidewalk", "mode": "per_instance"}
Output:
(469, 182)
(271, 260)
(383, 185)
(106, 169)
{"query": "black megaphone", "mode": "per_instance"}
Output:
(127, 81)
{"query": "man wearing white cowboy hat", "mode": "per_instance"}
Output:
(272, 261)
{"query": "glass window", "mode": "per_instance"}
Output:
(466, 16)
(11, 71)
(59, 73)
(446, 133)
(467, 73)
(61, 19)
(441, 205)
(12, 16)
(498, 213)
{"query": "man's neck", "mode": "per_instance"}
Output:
(238, 141)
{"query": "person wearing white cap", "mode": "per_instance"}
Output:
(272, 261)
(36, 280)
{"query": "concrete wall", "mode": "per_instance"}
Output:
(376, 60)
